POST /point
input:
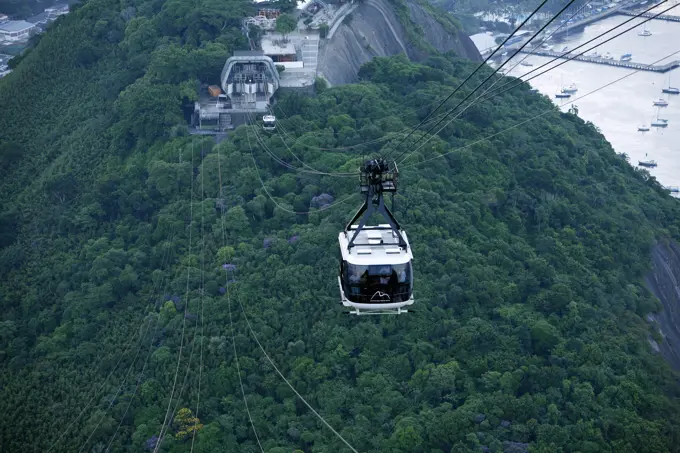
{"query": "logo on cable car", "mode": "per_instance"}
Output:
(379, 296)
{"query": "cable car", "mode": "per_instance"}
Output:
(376, 273)
(269, 122)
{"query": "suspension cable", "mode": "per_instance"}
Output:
(564, 61)
(271, 362)
(186, 299)
(489, 77)
(482, 64)
(283, 208)
(545, 112)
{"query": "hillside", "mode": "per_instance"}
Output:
(390, 27)
(126, 244)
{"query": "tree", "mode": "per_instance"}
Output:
(285, 24)
(186, 424)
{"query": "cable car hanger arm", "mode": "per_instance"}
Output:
(374, 195)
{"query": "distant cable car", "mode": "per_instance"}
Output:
(269, 122)
(376, 274)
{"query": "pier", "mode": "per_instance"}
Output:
(666, 17)
(595, 17)
(603, 61)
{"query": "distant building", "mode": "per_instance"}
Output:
(279, 50)
(3, 18)
(39, 20)
(16, 30)
(58, 9)
(269, 13)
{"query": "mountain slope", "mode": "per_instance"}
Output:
(531, 250)
(384, 28)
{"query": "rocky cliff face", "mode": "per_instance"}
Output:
(662, 281)
(373, 28)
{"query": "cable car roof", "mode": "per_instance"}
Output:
(269, 118)
(375, 247)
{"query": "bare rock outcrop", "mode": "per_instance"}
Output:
(373, 29)
(663, 282)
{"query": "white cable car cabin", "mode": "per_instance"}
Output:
(269, 122)
(376, 274)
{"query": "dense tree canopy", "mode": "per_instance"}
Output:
(127, 248)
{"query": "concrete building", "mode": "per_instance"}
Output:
(249, 79)
(279, 50)
(56, 10)
(39, 20)
(16, 30)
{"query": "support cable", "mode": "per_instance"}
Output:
(545, 112)
(184, 318)
(514, 84)
(231, 322)
(481, 65)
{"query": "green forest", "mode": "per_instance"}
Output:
(129, 249)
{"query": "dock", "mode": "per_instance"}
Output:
(607, 62)
(602, 13)
(666, 17)
(595, 17)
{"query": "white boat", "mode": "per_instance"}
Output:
(571, 89)
(526, 63)
(660, 123)
(565, 49)
(645, 32)
(643, 128)
(647, 163)
(670, 89)
(608, 56)
(626, 57)
(661, 102)
(595, 54)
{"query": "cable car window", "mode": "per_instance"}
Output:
(365, 280)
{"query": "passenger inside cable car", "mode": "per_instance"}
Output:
(364, 282)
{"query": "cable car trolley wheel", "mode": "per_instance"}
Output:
(269, 123)
(376, 273)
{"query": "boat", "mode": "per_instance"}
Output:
(673, 189)
(643, 128)
(645, 32)
(660, 123)
(526, 63)
(661, 102)
(595, 54)
(670, 89)
(608, 56)
(647, 163)
(571, 89)
(626, 57)
(565, 49)
(562, 95)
